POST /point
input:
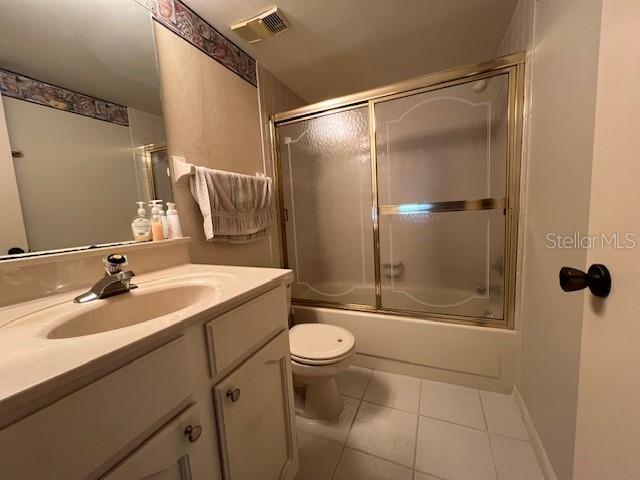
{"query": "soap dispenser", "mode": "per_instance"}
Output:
(156, 221)
(173, 221)
(163, 218)
(141, 225)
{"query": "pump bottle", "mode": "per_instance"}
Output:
(141, 225)
(173, 221)
(157, 231)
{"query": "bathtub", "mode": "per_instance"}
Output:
(478, 357)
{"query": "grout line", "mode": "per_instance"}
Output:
(430, 474)
(335, 469)
(396, 409)
(444, 420)
(379, 457)
(484, 416)
(415, 447)
(353, 420)
(393, 408)
(523, 440)
(361, 400)
(319, 437)
(415, 452)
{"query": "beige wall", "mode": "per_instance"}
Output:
(11, 220)
(564, 71)
(517, 36)
(76, 179)
(212, 118)
(608, 423)
(275, 97)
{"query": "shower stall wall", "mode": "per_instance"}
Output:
(404, 199)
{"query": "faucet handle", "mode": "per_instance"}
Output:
(114, 263)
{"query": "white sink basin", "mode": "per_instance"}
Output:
(127, 309)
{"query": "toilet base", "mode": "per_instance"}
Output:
(316, 390)
(319, 400)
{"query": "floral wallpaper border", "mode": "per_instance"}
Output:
(25, 88)
(173, 14)
(180, 19)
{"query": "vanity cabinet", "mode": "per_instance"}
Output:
(250, 364)
(84, 434)
(214, 403)
(174, 453)
(253, 409)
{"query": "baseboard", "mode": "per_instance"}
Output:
(536, 443)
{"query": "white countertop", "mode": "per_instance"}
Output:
(29, 361)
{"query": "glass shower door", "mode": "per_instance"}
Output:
(442, 174)
(326, 179)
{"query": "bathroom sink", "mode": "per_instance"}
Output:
(127, 309)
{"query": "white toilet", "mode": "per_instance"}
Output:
(319, 352)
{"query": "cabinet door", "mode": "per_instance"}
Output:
(254, 406)
(171, 454)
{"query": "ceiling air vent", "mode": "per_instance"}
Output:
(262, 26)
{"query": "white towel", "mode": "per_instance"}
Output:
(235, 208)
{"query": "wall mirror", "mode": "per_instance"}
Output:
(81, 130)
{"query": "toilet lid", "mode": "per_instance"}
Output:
(319, 341)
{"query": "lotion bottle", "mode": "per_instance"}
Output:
(156, 221)
(141, 225)
(173, 221)
(163, 219)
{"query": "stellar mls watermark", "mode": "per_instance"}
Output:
(573, 240)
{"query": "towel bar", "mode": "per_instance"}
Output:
(182, 169)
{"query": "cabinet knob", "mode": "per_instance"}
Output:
(193, 432)
(233, 394)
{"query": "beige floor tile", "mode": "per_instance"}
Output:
(392, 390)
(335, 430)
(356, 465)
(423, 476)
(318, 457)
(353, 382)
(453, 403)
(514, 459)
(384, 432)
(502, 415)
(453, 452)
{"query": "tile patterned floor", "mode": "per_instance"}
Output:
(396, 427)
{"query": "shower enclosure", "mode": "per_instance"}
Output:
(404, 199)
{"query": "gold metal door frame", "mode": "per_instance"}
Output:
(513, 66)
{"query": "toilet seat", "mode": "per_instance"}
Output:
(320, 344)
(319, 363)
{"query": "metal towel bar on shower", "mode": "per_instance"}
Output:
(453, 206)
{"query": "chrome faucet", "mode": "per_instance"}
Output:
(114, 282)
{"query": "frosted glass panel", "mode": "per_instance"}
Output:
(444, 145)
(326, 177)
(448, 263)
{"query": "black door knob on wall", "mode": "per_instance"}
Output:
(597, 278)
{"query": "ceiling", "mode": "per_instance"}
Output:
(337, 47)
(102, 48)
